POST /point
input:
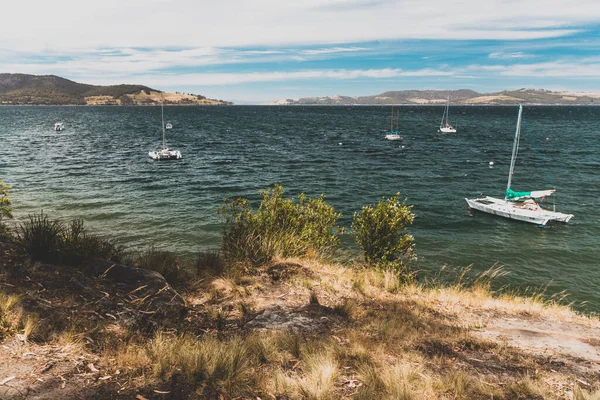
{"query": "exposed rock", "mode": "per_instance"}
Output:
(282, 318)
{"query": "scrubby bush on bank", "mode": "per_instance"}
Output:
(381, 232)
(5, 209)
(280, 227)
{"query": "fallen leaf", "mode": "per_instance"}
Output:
(140, 397)
(10, 378)
(92, 368)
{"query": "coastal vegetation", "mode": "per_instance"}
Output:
(54, 90)
(273, 314)
(5, 209)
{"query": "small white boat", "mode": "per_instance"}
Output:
(522, 206)
(59, 126)
(165, 153)
(394, 134)
(445, 127)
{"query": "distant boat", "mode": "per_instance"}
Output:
(59, 126)
(165, 153)
(445, 127)
(522, 206)
(394, 134)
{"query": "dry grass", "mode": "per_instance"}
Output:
(320, 374)
(221, 366)
(370, 336)
(13, 320)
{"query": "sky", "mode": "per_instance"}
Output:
(264, 50)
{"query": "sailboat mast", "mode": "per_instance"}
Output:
(442, 121)
(515, 148)
(392, 119)
(447, 110)
(162, 121)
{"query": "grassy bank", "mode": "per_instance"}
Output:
(261, 324)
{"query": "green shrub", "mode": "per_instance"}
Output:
(50, 240)
(381, 233)
(164, 262)
(5, 209)
(280, 227)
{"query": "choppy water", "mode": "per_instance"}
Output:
(98, 169)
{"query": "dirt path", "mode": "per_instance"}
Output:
(565, 344)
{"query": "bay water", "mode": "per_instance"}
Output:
(98, 169)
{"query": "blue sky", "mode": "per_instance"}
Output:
(264, 50)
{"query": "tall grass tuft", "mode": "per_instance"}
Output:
(11, 315)
(279, 227)
(210, 263)
(220, 367)
(164, 262)
(50, 240)
(321, 373)
(39, 238)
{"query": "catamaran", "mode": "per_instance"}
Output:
(165, 153)
(522, 206)
(394, 134)
(445, 127)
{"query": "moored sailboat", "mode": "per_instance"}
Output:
(445, 127)
(165, 153)
(522, 206)
(394, 134)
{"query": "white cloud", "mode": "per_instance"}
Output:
(219, 79)
(563, 68)
(67, 25)
(333, 50)
(508, 56)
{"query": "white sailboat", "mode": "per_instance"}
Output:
(165, 153)
(394, 134)
(445, 127)
(522, 206)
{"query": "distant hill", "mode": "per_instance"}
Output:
(54, 90)
(462, 96)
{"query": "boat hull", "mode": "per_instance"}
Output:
(447, 130)
(165, 155)
(393, 137)
(522, 211)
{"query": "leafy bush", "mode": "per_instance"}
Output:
(5, 209)
(280, 227)
(164, 262)
(381, 233)
(50, 240)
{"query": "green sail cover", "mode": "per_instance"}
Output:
(511, 194)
